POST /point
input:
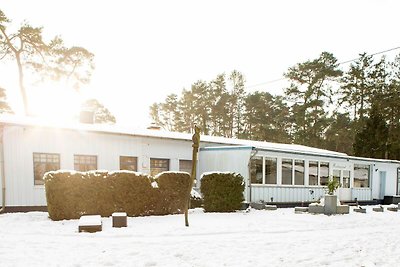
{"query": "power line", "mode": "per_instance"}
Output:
(340, 63)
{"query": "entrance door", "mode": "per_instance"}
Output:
(343, 177)
(382, 184)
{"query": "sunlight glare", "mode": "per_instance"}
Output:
(55, 103)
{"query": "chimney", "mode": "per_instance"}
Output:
(86, 116)
(154, 126)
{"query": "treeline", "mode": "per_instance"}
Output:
(355, 110)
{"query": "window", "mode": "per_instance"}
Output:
(346, 179)
(85, 163)
(128, 163)
(158, 165)
(313, 173)
(287, 167)
(256, 170)
(185, 166)
(361, 175)
(299, 172)
(42, 163)
(270, 171)
(324, 173)
(336, 176)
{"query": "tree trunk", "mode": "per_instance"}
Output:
(196, 144)
(21, 84)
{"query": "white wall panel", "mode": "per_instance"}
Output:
(285, 193)
(22, 142)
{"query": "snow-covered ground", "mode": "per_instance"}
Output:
(255, 238)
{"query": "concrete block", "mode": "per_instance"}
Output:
(379, 209)
(90, 223)
(300, 209)
(342, 209)
(316, 209)
(395, 209)
(271, 207)
(119, 219)
(360, 210)
(257, 206)
(330, 204)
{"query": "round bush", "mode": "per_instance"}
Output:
(222, 192)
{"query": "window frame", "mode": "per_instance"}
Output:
(126, 163)
(186, 161)
(369, 175)
(85, 164)
(159, 159)
(46, 163)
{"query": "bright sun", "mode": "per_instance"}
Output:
(55, 103)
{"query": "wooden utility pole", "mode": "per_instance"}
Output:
(196, 144)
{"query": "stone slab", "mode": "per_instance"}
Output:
(380, 209)
(300, 209)
(343, 209)
(90, 223)
(316, 209)
(257, 206)
(271, 207)
(360, 210)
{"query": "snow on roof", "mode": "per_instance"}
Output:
(118, 129)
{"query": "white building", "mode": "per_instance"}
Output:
(30, 148)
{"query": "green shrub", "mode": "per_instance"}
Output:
(332, 186)
(72, 194)
(222, 191)
(173, 189)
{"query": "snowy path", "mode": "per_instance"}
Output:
(257, 238)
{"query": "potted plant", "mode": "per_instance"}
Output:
(332, 186)
(330, 198)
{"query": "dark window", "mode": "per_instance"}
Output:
(299, 172)
(313, 173)
(324, 173)
(256, 170)
(287, 171)
(85, 163)
(128, 163)
(336, 176)
(346, 179)
(185, 166)
(270, 171)
(42, 163)
(158, 165)
(361, 175)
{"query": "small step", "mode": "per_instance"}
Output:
(90, 223)
(395, 209)
(379, 209)
(119, 219)
(271, 207)
(300, 209)
(360, 210)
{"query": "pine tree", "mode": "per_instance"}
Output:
(372, 140)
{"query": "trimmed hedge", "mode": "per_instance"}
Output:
(222, 192)
(73, 194)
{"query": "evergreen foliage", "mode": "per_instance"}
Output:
(101, 113)
(372, 140)
(325, 105)
(222, 192)
(4, 107)
(72, 194)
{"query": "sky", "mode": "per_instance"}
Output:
(146, 50)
